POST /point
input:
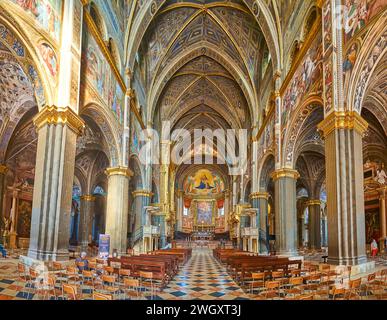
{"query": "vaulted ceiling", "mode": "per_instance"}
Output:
(200, 59)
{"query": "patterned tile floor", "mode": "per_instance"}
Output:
(201, 278)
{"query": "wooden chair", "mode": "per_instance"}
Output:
(306, 297)
(59, 270)
(109, 285)
(72, 275)
(295, 273)
(147, 283)
(272, 290)
(123, 274)
(131, 288)
(295, 287)
(338, 293)
(33, 278)
(313, 283)
(70, 292)
(46, 287)
(257, 281)
(101, 296)
(108, 270)
(280, 277)
(87, 279)
(354, 290)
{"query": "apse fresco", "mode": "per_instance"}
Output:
(359, 14)
(48, 13)
(204, 182)
(102, 79)
(204, 213)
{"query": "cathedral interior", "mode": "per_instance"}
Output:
(119, 174)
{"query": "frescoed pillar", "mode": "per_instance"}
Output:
(86, 220)
(285, 211)
(117, 207)
(259, 200)
(58, 129)
(314, 208)
(3, 172)
(343, 133)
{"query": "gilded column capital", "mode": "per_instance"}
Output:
(119, 171)
(131, 93)
(142, 193)
(88, 197)
(3, 169)
(55, 115)
(285, 173)
(343, 120)
(259, 195)
(313, 202)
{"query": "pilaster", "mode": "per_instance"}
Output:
(86, 220)
(314, 208)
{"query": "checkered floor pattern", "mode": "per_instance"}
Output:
(202, 278)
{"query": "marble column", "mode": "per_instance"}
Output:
(3, 173)
(314, 208)
(285, 211)
(343, 133)
(86, 220)
(58, 129)
(259, 200)
(324, 231)
(117, 207)
(141, 200)
(383, 216)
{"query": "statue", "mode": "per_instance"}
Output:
(7, 226)
(381, 176)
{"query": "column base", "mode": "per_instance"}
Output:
(62, 255)
(352, 261)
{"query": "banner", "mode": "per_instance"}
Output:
(104, 246)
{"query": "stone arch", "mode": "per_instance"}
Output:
(268, 166)
(105, 121)
(29, 60)
(137, 180)
(372, 51)
(98, 20)
(301, 114)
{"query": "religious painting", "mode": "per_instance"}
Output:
(24, 218)
(204, 182)
(102, 78)
(307, 74)
(328, 79)
(204, 211)
(327, 25)
(49, 58)
(359, 13)
(349, 61)
(47, 13)
(372, 225)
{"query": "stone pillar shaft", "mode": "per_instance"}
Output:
(344, 175)
(117, 207)
(51, 209)
(285, 211)
(86, 220)
(3, 172)
(314, 208)
(259, 200)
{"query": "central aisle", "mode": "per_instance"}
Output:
(202, 278)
